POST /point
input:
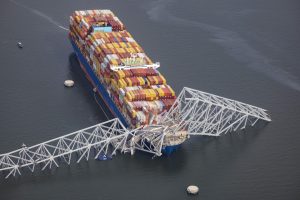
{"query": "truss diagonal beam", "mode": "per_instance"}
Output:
(107, 134)
(201, 113)
(105, 138)
(194, 112)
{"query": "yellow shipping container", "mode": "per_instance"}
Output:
(125, 101)
(103, 46)
(148, 60)
(120, 74)
(114, 61)
(114, 51)
(121, 50)
(92, 40)
(141, 80)
(129, 96)
(153, 93)
(133, 112)
(124, 83)
(95, 60)
(133, 44)
(129, 44)
(129, 81)
(147, 93)
(155, 79)
(129, 34)
(121, 83)
(98, 50)
(114, 34)
(164, 80)
(122, 44)
(113, 82)
(128, 50)
(172, 91)
(115, 45)
(160, 92)
(118, 50)
(114, 85)
(118, 34)
(77, 18)
(107, 80)
(109, 45)
(133, 50)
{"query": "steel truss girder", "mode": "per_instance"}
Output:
(106, 138)
(197, 112)
(201, 113)
(148, 139)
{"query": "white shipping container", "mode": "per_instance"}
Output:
(115, 56)
(99, 42)
(129, 39)
(141, 55)
(103, 66)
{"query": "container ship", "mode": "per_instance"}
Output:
(121, 73)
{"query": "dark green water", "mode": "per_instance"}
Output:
(245, 50)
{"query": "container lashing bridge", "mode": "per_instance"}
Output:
(198, 113)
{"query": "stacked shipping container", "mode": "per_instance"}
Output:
(139, 91)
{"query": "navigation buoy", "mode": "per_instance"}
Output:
(192, 189)
(69, 83)
(20, 45)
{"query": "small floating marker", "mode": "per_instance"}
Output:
(20, 45)
(69, 83)
(192, 189)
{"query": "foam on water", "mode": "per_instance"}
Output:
(231, 41)
(40, 14)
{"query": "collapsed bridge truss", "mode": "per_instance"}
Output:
(197, 112)
(202, 113)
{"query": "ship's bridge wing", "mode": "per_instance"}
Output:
(201, 113)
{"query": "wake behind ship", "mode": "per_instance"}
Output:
(121, 72)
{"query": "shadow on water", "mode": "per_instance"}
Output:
(207, 150)
(226, 148)
(85, 86)
(171, 164)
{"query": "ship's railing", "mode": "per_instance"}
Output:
(201, 113)
(127, 67)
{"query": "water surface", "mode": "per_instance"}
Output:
(245, 50)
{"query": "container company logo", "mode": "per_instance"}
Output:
(134, 60)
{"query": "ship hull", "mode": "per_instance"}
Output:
(168, 150)
(102, 92)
